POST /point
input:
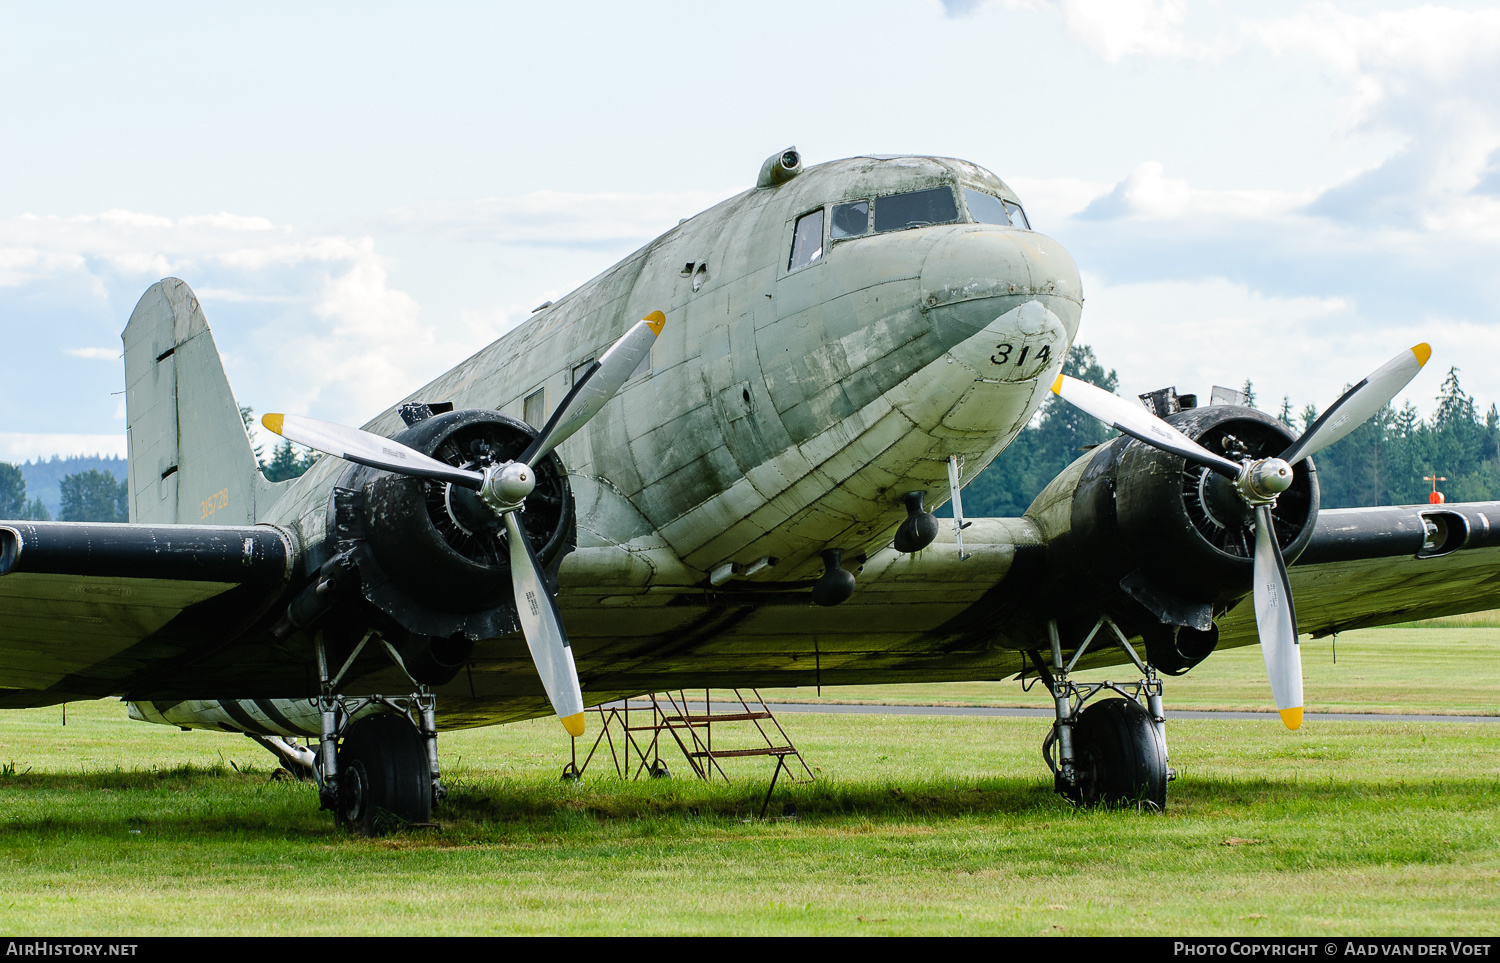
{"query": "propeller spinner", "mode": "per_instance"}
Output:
(1259, 482)
(502, 490)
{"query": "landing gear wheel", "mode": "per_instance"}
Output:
(1118, 756)
(384, 781)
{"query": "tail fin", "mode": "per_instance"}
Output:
(190, 456)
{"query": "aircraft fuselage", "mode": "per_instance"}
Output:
(786, 408)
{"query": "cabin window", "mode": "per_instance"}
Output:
(850, 220)
(985, 208)
(534, 409)
(896, 212)
(807, 240)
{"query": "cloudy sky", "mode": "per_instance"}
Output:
(364, 194)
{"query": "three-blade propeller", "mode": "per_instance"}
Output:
(503, 489)
(1259, 482)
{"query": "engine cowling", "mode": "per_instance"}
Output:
(428, 555)
(1165, 547)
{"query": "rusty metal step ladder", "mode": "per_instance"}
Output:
(633, 733)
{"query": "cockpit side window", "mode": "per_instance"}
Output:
(807, 240)
(985, 208)
(850, 220)
(1017, 216)
(895, 212)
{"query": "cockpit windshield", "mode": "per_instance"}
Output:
(895, 212)
(898, 212)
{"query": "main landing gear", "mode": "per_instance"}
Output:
(1113, 751)
(377, 758)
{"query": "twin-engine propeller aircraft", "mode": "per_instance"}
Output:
(712, 466)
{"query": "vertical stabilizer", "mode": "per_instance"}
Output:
(191, 460)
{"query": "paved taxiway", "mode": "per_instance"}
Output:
(1039, 713)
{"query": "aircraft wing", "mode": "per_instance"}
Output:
(94, 609)
(1376, 566)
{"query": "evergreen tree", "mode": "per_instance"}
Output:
(247, 415)
(1057, 436)
(286, 463)
(93, 496)
(35, 511)
(12, 491)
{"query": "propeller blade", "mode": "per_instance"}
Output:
(367, 448)
(543, 630)
(1357, 404)
(597, 386)
(1135, 421)
(1276, 621)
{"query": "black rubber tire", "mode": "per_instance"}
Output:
(1119, 757)
(384, 782)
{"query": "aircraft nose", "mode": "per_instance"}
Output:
(1004, 305)
(975, 275)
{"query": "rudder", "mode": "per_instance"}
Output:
(190, 457)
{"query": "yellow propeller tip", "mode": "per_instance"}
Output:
(1292, 718)
(1057, 386)
(654, 321)
(272, 422)
(1423, 351)
(573, 723)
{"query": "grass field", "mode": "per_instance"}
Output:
(914, 826)
(1448, 666)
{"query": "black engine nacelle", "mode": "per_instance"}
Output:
(429, 555)
(1163, 547)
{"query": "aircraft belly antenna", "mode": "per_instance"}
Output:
(955, 470)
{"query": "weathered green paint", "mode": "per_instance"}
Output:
(784, 412)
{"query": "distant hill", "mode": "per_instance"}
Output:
(44, 478)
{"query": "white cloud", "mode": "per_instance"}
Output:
(1112, 29)
(1196, 334)
(1430, 77)
(553, 217)
(326, 318)
(16, 447)
(1148, 193)
(306, 322)
(1050, 199)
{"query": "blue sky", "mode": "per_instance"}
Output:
(364, 194)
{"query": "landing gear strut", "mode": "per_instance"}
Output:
(378, 772)
(1113, 751)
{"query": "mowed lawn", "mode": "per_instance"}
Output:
(913, 826)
